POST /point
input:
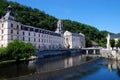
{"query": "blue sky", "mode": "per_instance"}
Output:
(102, 14)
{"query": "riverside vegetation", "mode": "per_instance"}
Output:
(16, 51)
(40, 19)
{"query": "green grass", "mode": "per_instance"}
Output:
(7, 61)
(10, 61)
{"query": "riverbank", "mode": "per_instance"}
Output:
(47, 54)
(50, 53)
(13, 61)
(110, 54)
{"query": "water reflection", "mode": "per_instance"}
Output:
(114, 65)
(40, 66)
(15, 70)
(60, 64)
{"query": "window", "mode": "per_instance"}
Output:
(34, 34)
(39, 40)
(2, 45)
(11, 31)
(2, 37)
(2, 31)
(11, 37)
(17, 27)
(23, 38)
(29, 39)
(34, 40)
(23, 33)
(29, 33)
(17, 32)
(11, 25)
(2, 25)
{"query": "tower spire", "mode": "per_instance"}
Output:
(10, 15)
(9, 8)
(59, 27)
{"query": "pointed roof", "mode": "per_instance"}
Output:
(10, 15)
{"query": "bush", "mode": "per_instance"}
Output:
(18, 50)
(2, 53)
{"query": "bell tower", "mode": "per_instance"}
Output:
(59, 27)
(108, 41)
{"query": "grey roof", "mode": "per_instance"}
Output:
(10, 15)
(75, 34)
(115, 36)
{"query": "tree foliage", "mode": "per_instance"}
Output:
(118, 43)
(18, 50)
(40, 19)
(112, 43)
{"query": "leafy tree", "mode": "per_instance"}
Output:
(88, 43)
(118, 43)
(18, 50)
(112, 43)
(28, 50)
(2, 52)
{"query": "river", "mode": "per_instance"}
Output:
(75, 67)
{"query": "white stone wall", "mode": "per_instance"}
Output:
(44, 40)
(73, 40)
(3, 34)
(41, 41)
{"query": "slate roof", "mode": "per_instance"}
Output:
(115, 36)
(10, 15)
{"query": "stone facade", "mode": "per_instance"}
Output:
(116, 37)
(74, 40)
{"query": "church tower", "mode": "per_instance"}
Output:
(108, 41)
(59, 27)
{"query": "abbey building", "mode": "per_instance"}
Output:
(42, 39)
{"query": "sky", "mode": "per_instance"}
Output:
(102, 14)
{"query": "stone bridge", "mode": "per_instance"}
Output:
(91, 50)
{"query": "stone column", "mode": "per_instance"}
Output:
(108, 41)
(87, 52)
(94, 51)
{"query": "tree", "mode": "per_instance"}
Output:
(18, 50)
(118, 43)
(112, 43)
(2, 53)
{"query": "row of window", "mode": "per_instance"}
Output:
(42, 40)
(23, 27)
(2, 32)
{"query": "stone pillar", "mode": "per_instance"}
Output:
(108, 41)
(87, 52)
(94, 51)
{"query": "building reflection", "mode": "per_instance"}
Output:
(59, 64)
(114, 65)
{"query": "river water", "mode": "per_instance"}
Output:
(77, 67)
